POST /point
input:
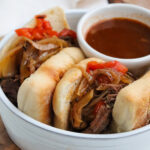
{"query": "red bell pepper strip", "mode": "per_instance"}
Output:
(24, 32)
(67, 32)
(42, 29)
(93, 65)
(98, 106)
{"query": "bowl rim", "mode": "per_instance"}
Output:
(102, 55)
(49, 128)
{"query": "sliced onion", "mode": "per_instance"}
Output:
(127, 79)
(76, 111)
(37, 52)
(82, 87)
(44, 56)
(113, 75)
(48, 44)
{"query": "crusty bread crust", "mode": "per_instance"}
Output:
(35, 93)
(131, 108)
(58, 21)
(65, 90)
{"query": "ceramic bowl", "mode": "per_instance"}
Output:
(30, 134)
(114, 11)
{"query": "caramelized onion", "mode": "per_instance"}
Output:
(45, 55)
(113, 75)
(76, 117)
(43, 47)
(36, 53)
(48, 44)
(82, 87)
(127, 79)
(89, 77)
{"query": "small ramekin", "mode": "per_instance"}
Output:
(137, 65)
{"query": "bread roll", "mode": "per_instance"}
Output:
(65, 90)
(131, 109)
(63, 96)
(35, 93)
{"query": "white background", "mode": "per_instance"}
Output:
(15, 13)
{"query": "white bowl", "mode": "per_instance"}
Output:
(30, 134)
(108, 12)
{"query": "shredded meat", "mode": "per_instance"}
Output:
(101, 121)
(97, 113)
(10, 86)
(72, 41)
(113, 91)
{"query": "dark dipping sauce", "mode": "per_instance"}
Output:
(120, 37)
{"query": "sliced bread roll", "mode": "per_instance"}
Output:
(132, 107)
(35, 93)
(65, 91)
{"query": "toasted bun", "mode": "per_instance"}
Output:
(65, 90)
(131, 108)
(35, 93)
(63, 95)
(58, 21)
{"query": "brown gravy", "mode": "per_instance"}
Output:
(120, 37)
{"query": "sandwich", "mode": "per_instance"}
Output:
(35, 59)
(84, 98)
(53, 18)
(35, 93)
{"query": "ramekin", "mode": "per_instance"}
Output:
(137, 65)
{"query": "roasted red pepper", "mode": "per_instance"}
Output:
(24, 32)
(42, 29)
(98, 106)
(67, 32)
(93, 65)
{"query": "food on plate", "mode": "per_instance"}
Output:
(131, 109)
(84, 98)
(42, 38)
(45, 74)
(111, 36)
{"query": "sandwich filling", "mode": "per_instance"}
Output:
(91, 109)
